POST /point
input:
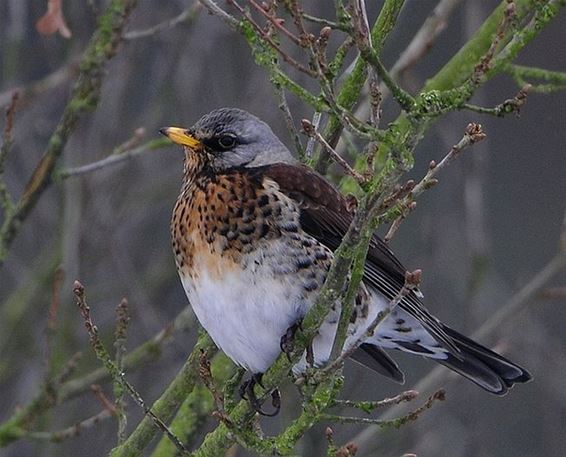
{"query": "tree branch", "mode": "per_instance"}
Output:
(554, 80)
(103, 46)
(185, 17)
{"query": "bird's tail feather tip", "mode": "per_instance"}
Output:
(486, 368)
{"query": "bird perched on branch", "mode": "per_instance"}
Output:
(253, 236)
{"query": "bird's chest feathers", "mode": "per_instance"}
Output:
(217, 221)
(237, 248)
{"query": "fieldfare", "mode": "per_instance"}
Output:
(253, 236)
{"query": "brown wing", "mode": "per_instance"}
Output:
(326, 217)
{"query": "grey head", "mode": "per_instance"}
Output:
(236, 138)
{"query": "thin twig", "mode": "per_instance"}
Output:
(553, 293)
(114, 159)
(135, 358)
(306, 39)
(60, 388)
(215, 10)
(423, 40)
(312, 132)
(351, 122)
(120, 335)
(554, 80)
(186, 16)
(369, 406)
(102, 398)
(485, 64)
(68, 369)
(7, 139)
(439, 395)
(472, 135)
(72, 431)
(316, 117)
(86, 91)
(116, 374)
(289, 122)
(40, 86)
(169, 401)
(420, 44)
(511, 105)
(54, 305)
(267, 39)
(205, 374)
(402, 97)
(277, 22)
(325, 22)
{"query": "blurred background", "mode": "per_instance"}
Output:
(492, 223)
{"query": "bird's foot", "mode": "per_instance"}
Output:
(287, 343)
(247, 393)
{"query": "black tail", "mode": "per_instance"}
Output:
(377, 360)
(486, 368)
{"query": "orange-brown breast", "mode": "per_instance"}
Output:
(217, 219)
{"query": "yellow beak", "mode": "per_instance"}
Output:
(181, 136)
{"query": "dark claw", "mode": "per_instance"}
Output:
(287, 343)
(247, 393)
(257, 379)
(243, 389)
(310, 354)
(276, 401)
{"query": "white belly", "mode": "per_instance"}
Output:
(246, 312)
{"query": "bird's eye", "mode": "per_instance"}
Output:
(227, 141)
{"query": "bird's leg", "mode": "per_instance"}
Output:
(287, 343)
(247, 393)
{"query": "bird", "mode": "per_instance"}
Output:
(254, 233)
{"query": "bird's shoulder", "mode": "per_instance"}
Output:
(325, 213)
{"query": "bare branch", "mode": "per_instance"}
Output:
(114, 159)
(7, 140)
(186, 17)
(424, 39)
(269, 40)
(439, 395)
(472, 135)
(289, 122)
(553, 80)
(316, 117)
(86, 91)
(72, 431)
(512, 105)
(7, 137)
(276, 22)
(118, 375)
(40, 86)
(311, 131)
(120, 334)
(215, 10)
(369, 406)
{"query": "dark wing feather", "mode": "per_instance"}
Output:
(325, 215)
